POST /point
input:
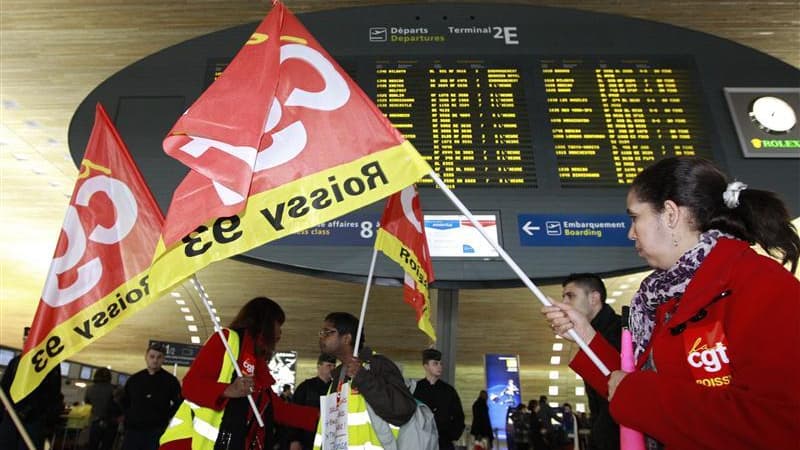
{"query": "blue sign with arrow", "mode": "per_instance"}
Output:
(573, 230)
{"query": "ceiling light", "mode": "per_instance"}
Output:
(611, 300)
(580, 407)
(195, 339)
(175, 294)
(552, 390)
(555, 360)
(578, 377)
(624, 286)
(580, 391)
(192, 328)
(558, 346)
(617, 293)
(553, 375)
(180, 302)
(188, 318)
(185, 310)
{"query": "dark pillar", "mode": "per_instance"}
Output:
(447, 331)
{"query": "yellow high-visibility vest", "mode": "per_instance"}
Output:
(197, 422)
(360, 434)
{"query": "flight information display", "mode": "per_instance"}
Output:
(469, 119)
(610, 118)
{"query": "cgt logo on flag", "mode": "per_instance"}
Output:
(401, 237)
(282, 141)
(378, 34)
(100, 269)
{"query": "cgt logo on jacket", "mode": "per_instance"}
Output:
(707, 354)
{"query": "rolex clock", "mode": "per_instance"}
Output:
(766, 121)
(773, 114)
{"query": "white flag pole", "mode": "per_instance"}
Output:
(513, 265)
(364, 302)
(204, 297)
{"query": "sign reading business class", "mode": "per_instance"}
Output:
(572, 230)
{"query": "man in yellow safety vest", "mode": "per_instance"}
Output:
(369, 379)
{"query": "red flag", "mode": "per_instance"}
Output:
(401, 237)
(99, 273)
(324, 150)
(218, 136)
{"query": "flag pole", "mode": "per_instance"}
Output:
(364, 302)
(204, 297)
(513, 265)
(15, 418)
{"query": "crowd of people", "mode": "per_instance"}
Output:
(708, 375)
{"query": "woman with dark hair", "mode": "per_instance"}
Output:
(105, 411)
(216, 413)
(481, 425)
(715, 326)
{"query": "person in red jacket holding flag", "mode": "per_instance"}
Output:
(714, 326)
(216, 413)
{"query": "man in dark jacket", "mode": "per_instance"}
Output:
(151, 398)
(587, 293)
(308, 393)
(441, 398)
(376, 377)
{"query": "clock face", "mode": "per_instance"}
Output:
(773, 114)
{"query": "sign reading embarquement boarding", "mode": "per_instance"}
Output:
(568, 230)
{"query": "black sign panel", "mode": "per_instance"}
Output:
(177, 353)
(611, 117)
(766, 121)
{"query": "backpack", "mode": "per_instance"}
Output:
(419, 433)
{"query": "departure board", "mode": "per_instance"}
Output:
(610, 118)
(468, 118)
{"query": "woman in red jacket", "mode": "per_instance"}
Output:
(715, 326)
(216, 398)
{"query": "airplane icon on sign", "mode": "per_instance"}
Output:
(553, 228)
(378, 34)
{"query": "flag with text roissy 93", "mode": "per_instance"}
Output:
(401, 237)
(99, 273)
(324, 150)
